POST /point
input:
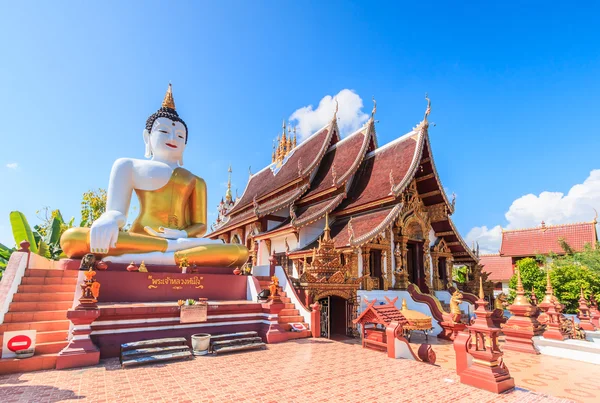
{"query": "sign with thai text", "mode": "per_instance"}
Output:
(175, 283)
(17, 340)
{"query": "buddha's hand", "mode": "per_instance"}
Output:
(168, 233)
(104, 233)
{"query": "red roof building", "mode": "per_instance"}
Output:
(531, 242)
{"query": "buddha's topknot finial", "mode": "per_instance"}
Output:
(168, 102)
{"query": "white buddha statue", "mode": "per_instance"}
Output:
(172, 206)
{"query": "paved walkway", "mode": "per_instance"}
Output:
(574, 380)
(308, 370)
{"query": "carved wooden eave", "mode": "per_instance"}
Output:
(436, 175)
(357, 242)
(328, 206)
(468, 252)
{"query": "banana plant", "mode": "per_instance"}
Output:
(22, 231)
(47, 245)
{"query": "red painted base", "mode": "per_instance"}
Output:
(74, 358)
(554, 334)
(587, 326)
(492, 379)
(451, 330)
(518, 332)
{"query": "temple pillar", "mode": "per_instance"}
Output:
(81, 351)
(449, 267)
(427, 264)
(366, 264)
(401, 273)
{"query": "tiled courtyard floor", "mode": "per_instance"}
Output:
(306, 370)
(574, 380)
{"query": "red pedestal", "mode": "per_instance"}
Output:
(274, 333)
(81, 351)
(520, 329)
(552, 318)
(451, 329)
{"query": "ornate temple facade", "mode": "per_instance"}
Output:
(390, 218)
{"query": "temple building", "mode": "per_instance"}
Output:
(380, 209)
(532, 242)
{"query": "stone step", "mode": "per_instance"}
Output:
(232, 342)
(288, 305)
(35, 363)
(290, 319)
(39, 297)
(289, 312)
(230, 336)
(239, 347)
(140, 352)
(173, 341)
(149, 359)
(50, 273)
(39, 306)
(50, 347)
(13, 317)
(47, 288)
(48, 280)
(41, 326)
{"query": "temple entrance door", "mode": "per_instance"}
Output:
(334, 321)
(414, 262)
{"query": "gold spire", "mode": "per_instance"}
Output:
(168, 101)
(326, 235)
(404, 306)
(549, 291)
(481, 296)
(294, 141)
(520, 299)
(582, 296)
(228, 192)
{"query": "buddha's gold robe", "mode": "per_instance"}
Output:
(180, 204)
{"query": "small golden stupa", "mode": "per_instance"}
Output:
(416, 320)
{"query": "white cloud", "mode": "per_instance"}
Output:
(350, 114)
(12, 165)
(551, 207)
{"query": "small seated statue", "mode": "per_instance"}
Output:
(172, 201)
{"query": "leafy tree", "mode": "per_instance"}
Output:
(93, 205)
(532, 276)
(459, 274)
(5, 253)
(589, 257)
(568, 280)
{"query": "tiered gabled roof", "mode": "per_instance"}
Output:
(499, 267)
(328, 188)
(281, 183)
(546, 239)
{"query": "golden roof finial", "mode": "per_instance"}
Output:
(404, 306)
(595, 221)
(326, 235)
(374, 110)
(481, 295)
(168, 101)
(428, 110)
(228, 192)
(294, 141)
(582, 296)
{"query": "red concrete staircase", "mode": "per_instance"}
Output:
(41, 303)
(289, 314)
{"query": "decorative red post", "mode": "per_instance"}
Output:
(595, 315)
(585, 320)
(551, 317)
(523, 325)
(81, 351)
(487, 370)
(315, 320)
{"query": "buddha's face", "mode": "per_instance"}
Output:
(166, 141)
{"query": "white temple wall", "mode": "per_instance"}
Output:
(263, 253)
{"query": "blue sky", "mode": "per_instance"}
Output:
(515, 93)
